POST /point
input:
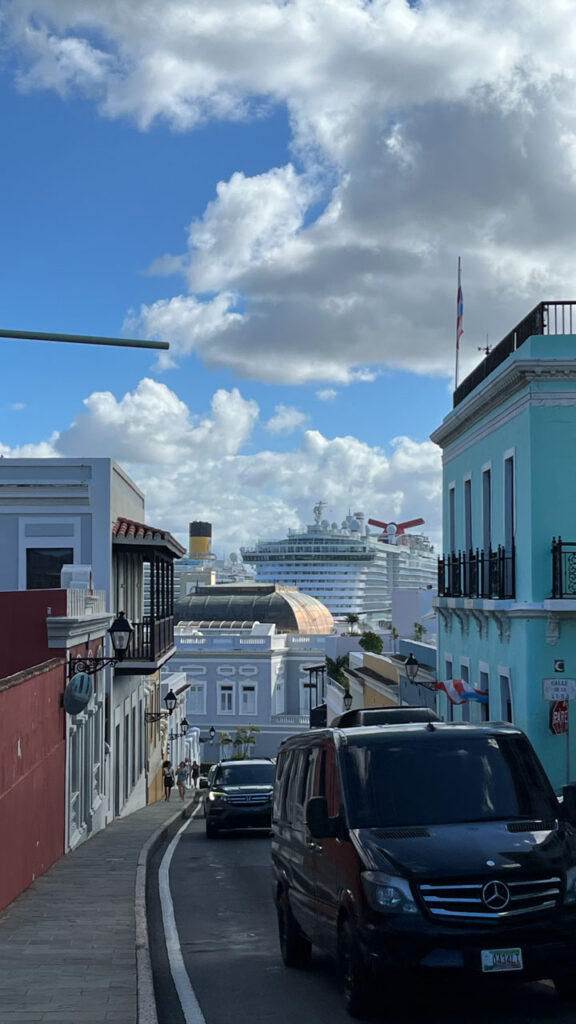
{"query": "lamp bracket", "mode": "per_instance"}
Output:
(155, 716)
(89, 665)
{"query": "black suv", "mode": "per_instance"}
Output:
(239, 795)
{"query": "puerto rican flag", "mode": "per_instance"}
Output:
(458, 692)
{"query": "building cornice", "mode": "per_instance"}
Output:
(65, 632)
(492, 393)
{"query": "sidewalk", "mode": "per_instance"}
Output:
(68, 945)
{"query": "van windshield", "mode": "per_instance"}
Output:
(434, 779)
(246, 775)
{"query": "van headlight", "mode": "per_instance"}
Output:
(570, 894)
(388, 893)
(215, 795)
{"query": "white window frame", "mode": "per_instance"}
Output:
(199, 686)
(225, 688)
(244, 688)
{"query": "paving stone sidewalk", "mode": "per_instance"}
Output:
(68, 944)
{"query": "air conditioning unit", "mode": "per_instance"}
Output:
(76, 577)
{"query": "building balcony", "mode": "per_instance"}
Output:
(478, 574)
(151, 645)
(563, 569)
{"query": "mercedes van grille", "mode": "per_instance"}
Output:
(248, 798)
(531, 826)
(402, 833)
(475, 900)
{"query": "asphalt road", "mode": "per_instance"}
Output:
(221, 890)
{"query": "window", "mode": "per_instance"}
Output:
(487, 509)
(197, 699)
(485, 707)
(468, 515)
(44, 565)
(248, 700)
(465, 677)
(452, 518)
(225, 699)
(505, 699)
(509, 503)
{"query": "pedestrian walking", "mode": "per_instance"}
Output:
(195, 774)
(168, 773)
(182, 778)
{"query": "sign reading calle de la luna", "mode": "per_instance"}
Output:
(559, 689)
(559, 717)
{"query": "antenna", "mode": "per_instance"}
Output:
(486, 349)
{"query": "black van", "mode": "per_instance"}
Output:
(425, 846)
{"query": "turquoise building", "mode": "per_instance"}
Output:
(507, 577)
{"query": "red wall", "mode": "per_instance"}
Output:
(32, 774)
(32, 739)
(23, 633)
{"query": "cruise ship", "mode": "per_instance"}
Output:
(351, 569)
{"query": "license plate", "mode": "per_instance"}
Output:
(501, 960)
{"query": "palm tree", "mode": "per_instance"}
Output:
(352, 620)
(335, 668)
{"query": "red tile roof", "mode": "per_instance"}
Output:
(129, 529)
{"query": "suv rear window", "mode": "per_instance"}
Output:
(428, 779)
(245, 775)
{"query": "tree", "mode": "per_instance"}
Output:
(352, 620)
(371, 642)
(245, 739)
(335, 668)
(419, 630)
(238, 745)
(394, 634)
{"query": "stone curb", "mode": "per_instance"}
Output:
(146, 1000)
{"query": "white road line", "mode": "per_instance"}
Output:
(190, 1006)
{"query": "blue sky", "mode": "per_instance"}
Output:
(281, 191)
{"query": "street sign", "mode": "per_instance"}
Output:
(559, 717)
(78, 693)
(559, 689)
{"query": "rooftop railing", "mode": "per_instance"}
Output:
(545, 318)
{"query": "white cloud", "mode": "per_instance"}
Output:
(421, 132)
(152, 425)
(326, 394)
(204, 466)
(286, 420)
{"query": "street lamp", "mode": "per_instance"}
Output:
(347, 700)
(212, 733)
(184, 725)
(411, 666)
(170, 701)
(120, 633)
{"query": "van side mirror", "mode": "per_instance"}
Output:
(320, 824)
(317, 818)
(568, 806)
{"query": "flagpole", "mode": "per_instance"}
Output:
(459, 313)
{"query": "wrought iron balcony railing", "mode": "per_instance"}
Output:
(481, 574)
(563, 568)
(151, 639)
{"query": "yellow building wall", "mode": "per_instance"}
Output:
(373, 699)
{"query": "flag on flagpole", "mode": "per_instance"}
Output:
(459, 318)
(459, 692)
